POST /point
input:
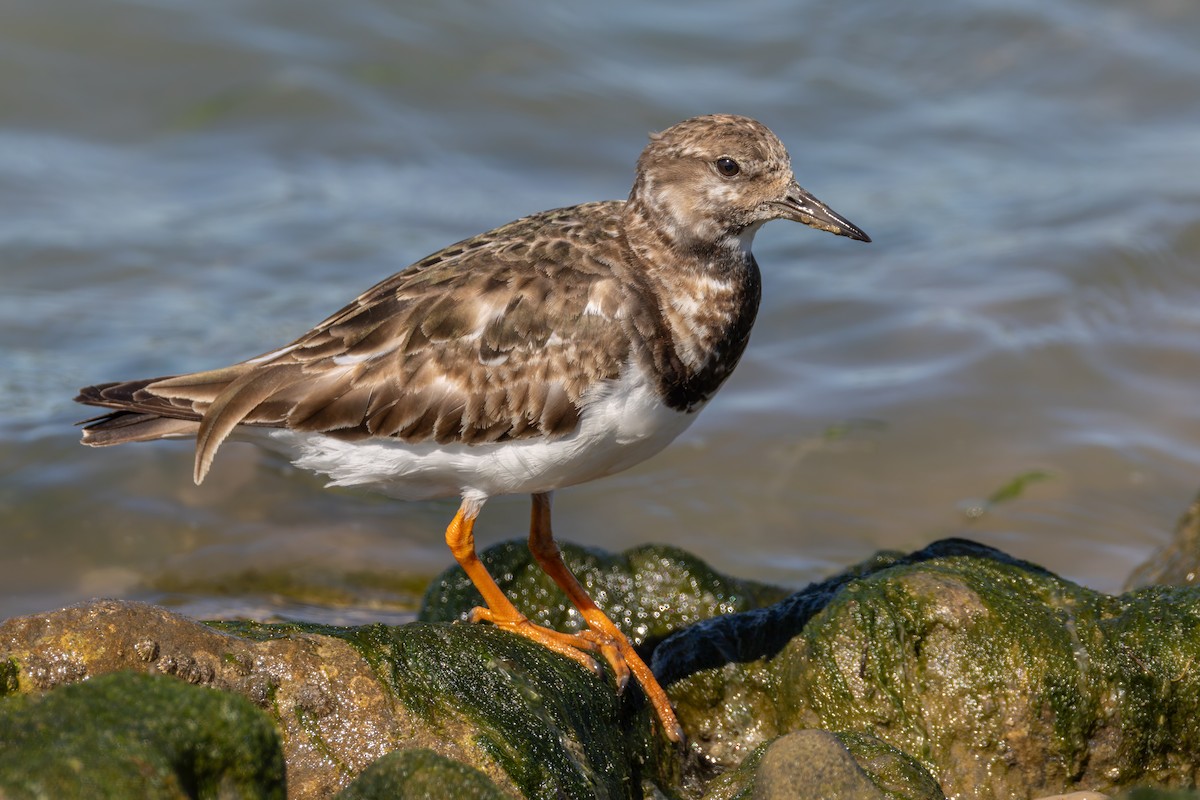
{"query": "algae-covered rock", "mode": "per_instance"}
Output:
(335, 715)
(898, 775)
(813, 763)
(537, 724)
(420, 773)
(993, 676)
(650, 591)
(533, 722)
(127, 735)
(1002, 679)
(536, 719)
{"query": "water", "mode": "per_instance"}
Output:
(186, 184)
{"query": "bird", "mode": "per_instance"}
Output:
(553, 350)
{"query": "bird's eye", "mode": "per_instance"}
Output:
(727, 166)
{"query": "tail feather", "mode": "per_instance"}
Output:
(137, 415)
(133, 396)
(207, 406)
(120, 427)
(232, 405)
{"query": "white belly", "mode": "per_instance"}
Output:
(622, 424)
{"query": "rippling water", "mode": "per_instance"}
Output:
(185, 184)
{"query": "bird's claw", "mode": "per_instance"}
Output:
(605, 640)
(570, 645)
(612, 650)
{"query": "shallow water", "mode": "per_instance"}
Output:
(186, 184)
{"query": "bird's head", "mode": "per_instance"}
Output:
(714, 180)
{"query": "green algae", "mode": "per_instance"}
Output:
(993, 675)
(9, 681)
(127, 735)
(997, 676)
(553, 728)
(1016, 486)
(421, 773)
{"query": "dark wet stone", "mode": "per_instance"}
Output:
(421, 773)
(811, 764)
(814, 763)
(894, 772)
(1178, 562)
(549, 726)
(650, 591)
(764, 632)
(127, 735)
(1002, 679)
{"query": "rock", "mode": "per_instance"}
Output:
(896, 773)
(1000, 678)
(811, 764)
(1178, 562)
(325, 742)
(534, 722)
(815, 763)
(956, 662)
(420, 773)
(127, 735)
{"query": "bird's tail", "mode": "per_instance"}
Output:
(205, 405)
(138, 416)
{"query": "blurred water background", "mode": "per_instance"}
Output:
(1016, 358)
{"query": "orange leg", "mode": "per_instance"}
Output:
(613, 645)
(500, 611)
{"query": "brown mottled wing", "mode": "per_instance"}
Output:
(496, 338)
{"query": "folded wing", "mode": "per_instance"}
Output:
(486, 341)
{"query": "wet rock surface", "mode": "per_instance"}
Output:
(815, 763)
(1000, 678)
(1178, 562)
(954, 671)
(127, 735)
(342, 698)
(421, 773)
(332, 712)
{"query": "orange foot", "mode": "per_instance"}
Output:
(573, 646)
(618, 651)
(604, 638)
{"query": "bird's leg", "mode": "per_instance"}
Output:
(613, 644)
(500, 611)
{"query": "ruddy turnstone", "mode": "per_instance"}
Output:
(553, 350)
